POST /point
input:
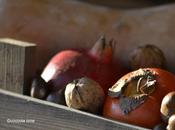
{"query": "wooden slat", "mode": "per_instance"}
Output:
(17, 65)
(49, 116)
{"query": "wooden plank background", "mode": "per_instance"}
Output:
(50, 116)
(17, 65)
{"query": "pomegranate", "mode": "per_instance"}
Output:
(96, 63)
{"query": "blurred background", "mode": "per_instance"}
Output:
(55, 25)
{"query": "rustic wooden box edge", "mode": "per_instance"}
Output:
(51, 116)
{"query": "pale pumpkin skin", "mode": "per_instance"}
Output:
(60, 24)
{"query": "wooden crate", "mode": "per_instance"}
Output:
(130, 28)
(26, 113)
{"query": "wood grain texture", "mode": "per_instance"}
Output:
(50, 116)
(17, 65)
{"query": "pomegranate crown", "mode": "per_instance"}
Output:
(102, 50)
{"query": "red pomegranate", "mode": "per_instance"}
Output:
(96, 63)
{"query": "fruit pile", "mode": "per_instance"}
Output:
(93, 81)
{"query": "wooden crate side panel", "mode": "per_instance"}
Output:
(16, 67)
(50, 116)
(12, 60)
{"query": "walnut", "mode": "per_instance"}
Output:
(148, 56)
(85, 94)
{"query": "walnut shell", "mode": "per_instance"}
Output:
(148, 56)
(168, 106)
(171, 123)
(84, 94)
